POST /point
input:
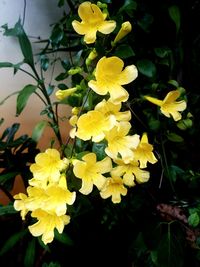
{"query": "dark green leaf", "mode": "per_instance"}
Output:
(128, 6)
(194, 219)
(62, 76)
(62, 86)
(170, 252)
(29, 258)
(174, 13)
(146, 22)
(38, 130)
(24, 42)
(175, 137)
(12, 241)
(124, 51)
(9, 209)
(175, 171)
(50, 89)
(63, 238)
(4, 177)
(99, 150)
(44, 61)
(23, 97)
(146, 67)
(6, 65)
(61, 3)
(56, 36)
(161, 52)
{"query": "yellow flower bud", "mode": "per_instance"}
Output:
(62, 94)
(74, 71)
(125, 29)
(75, 110)
(92, 55)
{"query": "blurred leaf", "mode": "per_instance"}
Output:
(146, 67)
(23, 97)
(61, 76)
(44, 62)
(38, 130)
(175, 171)
(24, 42)
(170, 252)
(6, 65)
(145, 22)
(175, 137)
(4, 177)
(61, 3)
(9, 209)
(193, 219)
(50, 89)
(12, 241)
(124, 51)
(63, 238)
(174, 83)
(51, 264)
(174, 13)
(185, 124)
(99, 150)
(56, 36)
(29, 258)
(128, 6)
(161, 52)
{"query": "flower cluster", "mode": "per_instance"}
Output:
(47, 196)
(126, 153)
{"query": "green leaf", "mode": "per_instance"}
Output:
(29, 258)
(175, 171)
(23, 97)
(170, 252)
(63, 238)
(24, 42)
(12, 241)
(194, 219)
(38, 130)
(6, 65)
(99, 150)
(174, 13)
(161, 52)
(128, 6)
(4, 177)
(175, 137)
(146, 67)
(44, 62)
(185, 124)
(9, 209)
(124, 51)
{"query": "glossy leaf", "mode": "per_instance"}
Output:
(23, 97)
(146, 67)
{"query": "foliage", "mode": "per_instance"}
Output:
(157, 222)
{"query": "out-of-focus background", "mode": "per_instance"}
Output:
(39, 17)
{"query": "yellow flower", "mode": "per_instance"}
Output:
(58, 196)
(169, 106)
(125, 29)
(20, 204)
(93, 20)
(113, 188)
(109, 109)
(48, 166)
(62, 94)
(143, 153)
(121, 143)
(92, 125)
(130, 172)
(73, 121)
(110, 77)
(90, 172)
(46, 224)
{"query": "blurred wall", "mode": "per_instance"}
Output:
(40, 14)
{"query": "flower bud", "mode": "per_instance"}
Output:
(125, 29)
(92, 55)
(62, 94)
(74, 71)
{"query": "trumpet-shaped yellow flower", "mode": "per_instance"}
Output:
(130, 172)
(92, 125)
(58, 197)
(143, 153)
(113, 188)
(125, 29)
(48, 166)
(169, 106)
(90, 172)
(110, 77)
(109, 109)
(121, 143)
(93, 20)
(20, 204)
(46, 224)
(62, 94)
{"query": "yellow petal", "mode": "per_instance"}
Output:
(107, 27)
(128, 75)
(154, 100)
(90, 12)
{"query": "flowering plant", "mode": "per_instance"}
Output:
(110, 153)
